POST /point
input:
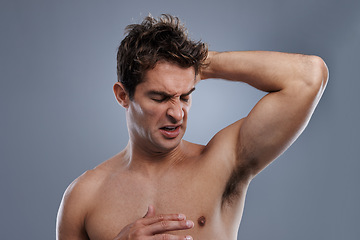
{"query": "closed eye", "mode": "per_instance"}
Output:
(159, 99)
(159, 96)
(185, 98)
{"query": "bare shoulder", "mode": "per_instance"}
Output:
(78, 199)
(74, 206)
(83, 186)
(86, 185)
(226, 141)
(222, 151)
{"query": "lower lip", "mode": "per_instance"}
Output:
(170, 134)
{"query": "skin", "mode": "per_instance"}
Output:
(160, 185)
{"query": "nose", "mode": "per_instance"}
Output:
(175, 112)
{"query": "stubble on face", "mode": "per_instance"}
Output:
(157, 115)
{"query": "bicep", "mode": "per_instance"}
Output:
(274, 124)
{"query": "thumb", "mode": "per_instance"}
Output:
(150, 211)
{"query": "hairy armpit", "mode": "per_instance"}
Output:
(238, 179)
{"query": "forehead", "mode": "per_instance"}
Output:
(170, 78)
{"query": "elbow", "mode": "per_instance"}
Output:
(319, 74)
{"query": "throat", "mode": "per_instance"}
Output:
(154, 164)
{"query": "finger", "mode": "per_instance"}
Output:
(150, 211)
(163, 217)
(171, 237)
(166, 226)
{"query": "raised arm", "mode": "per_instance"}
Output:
(295, 84)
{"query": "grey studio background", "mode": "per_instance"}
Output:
(59, 117)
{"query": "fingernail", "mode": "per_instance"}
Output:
(188, 238)
(189, 223)
(181, 217)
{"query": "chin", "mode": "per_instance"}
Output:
(167, 145)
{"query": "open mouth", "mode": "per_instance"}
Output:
(169, 128)
(170, 132)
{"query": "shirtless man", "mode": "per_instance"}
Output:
(163, 187)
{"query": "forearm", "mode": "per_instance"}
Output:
(267, 71)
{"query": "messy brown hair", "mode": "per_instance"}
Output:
(164, 38)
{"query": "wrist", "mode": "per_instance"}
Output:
(206, 71)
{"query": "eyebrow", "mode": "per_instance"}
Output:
(165, 94)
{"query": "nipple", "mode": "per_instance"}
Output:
(201, 221)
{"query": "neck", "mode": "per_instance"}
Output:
(152, 162)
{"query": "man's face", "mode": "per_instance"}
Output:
(157, 115)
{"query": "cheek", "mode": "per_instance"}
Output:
(152, 113)
(186, 108)
(135, 111)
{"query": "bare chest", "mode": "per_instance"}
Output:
(121, 201)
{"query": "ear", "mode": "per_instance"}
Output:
(121, 95)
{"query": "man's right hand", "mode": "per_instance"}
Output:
(155, 227)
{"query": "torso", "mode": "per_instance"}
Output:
(193, 187)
